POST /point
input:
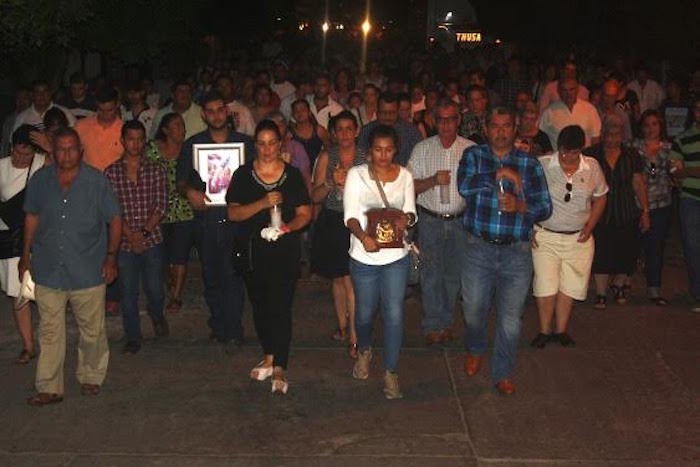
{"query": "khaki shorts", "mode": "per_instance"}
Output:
(562, 264)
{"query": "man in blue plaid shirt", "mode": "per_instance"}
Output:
(506, 193)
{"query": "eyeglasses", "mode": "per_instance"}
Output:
(651, 169)
(567, 196)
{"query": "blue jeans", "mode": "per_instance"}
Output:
(133, 267)
(654, 244)
(690, 229)
(442, 246)
(388, 284)
(223, 286)
(500, 274)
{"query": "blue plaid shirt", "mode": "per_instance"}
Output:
(476, 179)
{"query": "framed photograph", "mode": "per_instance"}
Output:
(215, 164)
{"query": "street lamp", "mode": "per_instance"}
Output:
(366, 26)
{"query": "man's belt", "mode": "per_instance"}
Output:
(563, 232)
(504, 240)
(444, 217)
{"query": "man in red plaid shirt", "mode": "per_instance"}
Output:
(140, 185)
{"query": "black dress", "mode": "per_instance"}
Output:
(272, 281)
(617, 233)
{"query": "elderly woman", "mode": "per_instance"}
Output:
(15, 172)
(529, 138)
(262, 192)
(331, 239)
(379, 275)
(617, 233)
(562, 246)
(655, 152)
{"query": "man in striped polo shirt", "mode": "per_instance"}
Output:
(686, 150)
(434, 163)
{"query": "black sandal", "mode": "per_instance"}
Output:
(601, 301)
(541, 340)
(564, 340)
(619, 294)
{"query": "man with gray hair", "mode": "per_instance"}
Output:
(570, 110)
(434, 163)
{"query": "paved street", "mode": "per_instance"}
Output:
(627, 395)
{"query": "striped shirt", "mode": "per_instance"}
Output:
(621, 207)
(476, 178)
(686, 148)
(428, 157)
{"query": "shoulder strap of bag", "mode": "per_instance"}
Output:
(29, 172)
(379, 186)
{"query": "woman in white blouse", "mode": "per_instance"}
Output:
(15, 172)
(379, 273)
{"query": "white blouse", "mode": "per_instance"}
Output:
(12, 179)
(361, 194)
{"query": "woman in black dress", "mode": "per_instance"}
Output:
(331, 240)
(256, 189)
(617, 233)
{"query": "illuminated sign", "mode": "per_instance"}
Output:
(468, 36)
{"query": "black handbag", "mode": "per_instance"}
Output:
(12, 214)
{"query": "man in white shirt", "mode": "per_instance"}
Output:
(191, 113)
(138, 107)
(434, 164)
(239, 115)
(550, 93)
(649, 92)
(280, 85)
(303, 90)
(41, 103)
(321, 104)
(570, 110)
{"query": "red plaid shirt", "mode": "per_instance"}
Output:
(140, 200)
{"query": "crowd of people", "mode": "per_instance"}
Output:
(502, 182)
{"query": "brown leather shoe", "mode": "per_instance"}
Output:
(472, 364)
(505, 387)
(433, 337)
(446, 336)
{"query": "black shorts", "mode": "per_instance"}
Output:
(179, 238)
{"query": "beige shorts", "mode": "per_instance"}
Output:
(561, 264)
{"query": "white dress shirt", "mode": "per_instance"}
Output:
(557, 116)
(428, 157)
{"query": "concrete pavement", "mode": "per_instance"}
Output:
(627, 395)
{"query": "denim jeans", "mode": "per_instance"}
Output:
(223, 286)
(500, 275)
(654, 244)
(690, 229)
(133, 267)
(442, 246)
(388, 284)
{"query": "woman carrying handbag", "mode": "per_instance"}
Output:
(15, 172)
